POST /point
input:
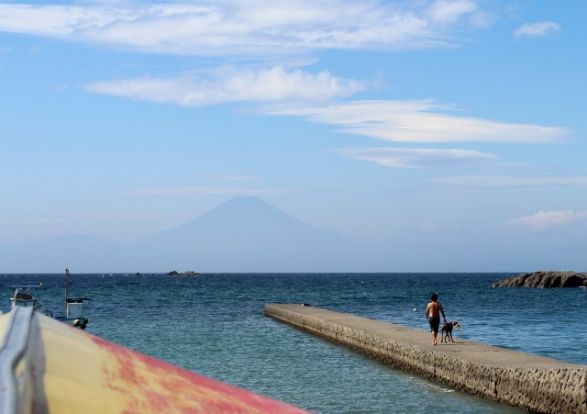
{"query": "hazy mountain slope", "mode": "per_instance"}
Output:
(248, 234)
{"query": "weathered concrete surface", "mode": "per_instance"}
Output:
(519, 379)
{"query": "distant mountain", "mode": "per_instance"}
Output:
(245, 234)
(240, 220)
(248, 234)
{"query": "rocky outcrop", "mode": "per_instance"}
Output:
(544, 280)
(186, 273)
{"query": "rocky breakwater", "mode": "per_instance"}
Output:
(547, 279)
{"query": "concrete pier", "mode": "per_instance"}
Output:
(541, 385)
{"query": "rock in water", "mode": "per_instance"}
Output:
(547, 279)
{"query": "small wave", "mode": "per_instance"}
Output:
(426, 383)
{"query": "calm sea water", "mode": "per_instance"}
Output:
(214, 324)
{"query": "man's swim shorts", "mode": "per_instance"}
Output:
(434, 323)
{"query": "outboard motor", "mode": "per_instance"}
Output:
(80, 323)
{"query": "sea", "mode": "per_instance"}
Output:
(213, 324)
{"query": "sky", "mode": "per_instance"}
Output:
(456, 123)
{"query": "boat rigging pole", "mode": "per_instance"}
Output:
(65, 302)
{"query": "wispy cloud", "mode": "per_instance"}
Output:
(209, 190)
(422, 122)
(448, 12)
(84, 216)
(244, 26)
(511, 182)
(417, 157)
(233, 85)
(223, 177)
(544, 220)
(537, 29)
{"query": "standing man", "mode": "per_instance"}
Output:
(433, 311)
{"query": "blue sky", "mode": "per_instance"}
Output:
(435, 121)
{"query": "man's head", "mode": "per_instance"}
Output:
(434, 297)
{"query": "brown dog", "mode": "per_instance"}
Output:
(447, 328)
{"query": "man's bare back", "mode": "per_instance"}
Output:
(433, 310)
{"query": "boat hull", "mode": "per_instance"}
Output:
(66, 370)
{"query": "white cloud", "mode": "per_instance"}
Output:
(544, 220)
(450, 11)
(243, 26)
(231, 85)
(481, 20)
(417, 157)
(537, 29)
(421, 121)
(509, 182)
(208, 190)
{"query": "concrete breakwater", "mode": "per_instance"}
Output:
(539, 384)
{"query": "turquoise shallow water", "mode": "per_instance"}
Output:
(214, 324)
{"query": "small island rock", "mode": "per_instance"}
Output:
(186, 273)
(544, 279)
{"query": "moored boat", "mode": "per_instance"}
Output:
(74, 309)
(74, 312)
(29, 296)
